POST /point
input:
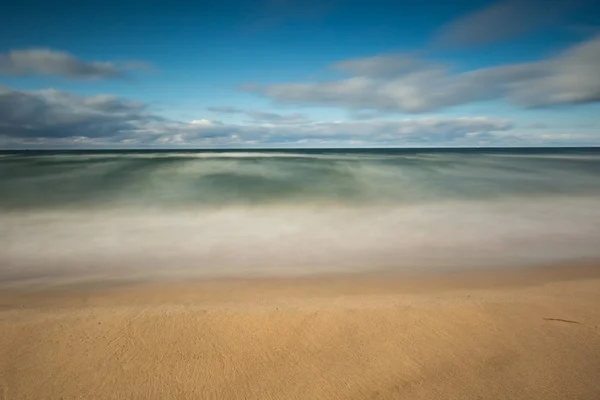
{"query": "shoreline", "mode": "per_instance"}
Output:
(244, 288)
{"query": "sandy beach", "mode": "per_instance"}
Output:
(518, 334)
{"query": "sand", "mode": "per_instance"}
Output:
(522, 334)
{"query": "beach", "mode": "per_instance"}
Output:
(300, 274)
(518, 333)
(300, 200)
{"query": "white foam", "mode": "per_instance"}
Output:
(136, 243)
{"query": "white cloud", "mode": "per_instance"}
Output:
(396, 84)
(203, 122)
(47, 62)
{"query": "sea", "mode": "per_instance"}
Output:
(69, 217)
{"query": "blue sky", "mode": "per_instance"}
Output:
(286, 73)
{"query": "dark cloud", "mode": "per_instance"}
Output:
(56, 63)
(504, 19)
(55, 114)
(393, 83)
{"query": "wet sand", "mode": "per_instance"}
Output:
(531, 333)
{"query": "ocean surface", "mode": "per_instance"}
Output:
(78, 216)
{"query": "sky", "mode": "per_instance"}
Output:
(299, 73)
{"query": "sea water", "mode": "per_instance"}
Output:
(75, 216)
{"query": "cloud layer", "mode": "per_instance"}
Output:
(46, 62)
(51, 117)
(400, 83)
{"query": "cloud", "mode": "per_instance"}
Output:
(46, 62)
(262, 116)
(537, 125)
(55, 114)
(421, 130)
(424, 131)
(364, 115)
(55, 118)
(202, 122)
(225, 110)
(380, 66)
(397, 84)
(503, 20)
(271, 117)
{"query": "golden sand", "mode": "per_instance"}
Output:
(531, 334)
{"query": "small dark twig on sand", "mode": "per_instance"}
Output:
(562, 320)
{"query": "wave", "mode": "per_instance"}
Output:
(120, 244)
